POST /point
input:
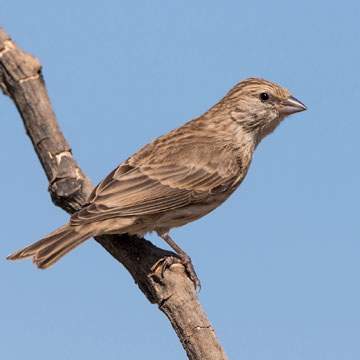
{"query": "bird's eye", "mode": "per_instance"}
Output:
(264, 96)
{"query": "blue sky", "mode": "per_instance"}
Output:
(278, 262)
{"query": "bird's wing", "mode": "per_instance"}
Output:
(147, 185)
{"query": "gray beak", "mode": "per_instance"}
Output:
(291, 106)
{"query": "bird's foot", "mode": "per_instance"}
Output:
(186, 262)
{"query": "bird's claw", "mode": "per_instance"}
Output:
(186, 262)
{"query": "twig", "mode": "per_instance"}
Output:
(22, 80)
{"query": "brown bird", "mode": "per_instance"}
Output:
(177, 178)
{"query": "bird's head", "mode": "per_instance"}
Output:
(259, 106)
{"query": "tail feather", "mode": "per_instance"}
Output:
(47, 251)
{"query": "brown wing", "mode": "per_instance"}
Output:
(150, 184)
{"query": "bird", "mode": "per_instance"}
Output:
(177, 178)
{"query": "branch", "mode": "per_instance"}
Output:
(69, 187)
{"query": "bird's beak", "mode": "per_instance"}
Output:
(291, 106)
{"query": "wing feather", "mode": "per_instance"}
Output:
(152, 187)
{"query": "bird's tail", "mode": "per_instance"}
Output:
(47, 251)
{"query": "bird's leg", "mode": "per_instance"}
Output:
(183, 259)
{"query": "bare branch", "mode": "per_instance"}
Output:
(22, 80)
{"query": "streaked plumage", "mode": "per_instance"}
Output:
(177, 178)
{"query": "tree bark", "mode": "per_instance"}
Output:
(69, 187)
